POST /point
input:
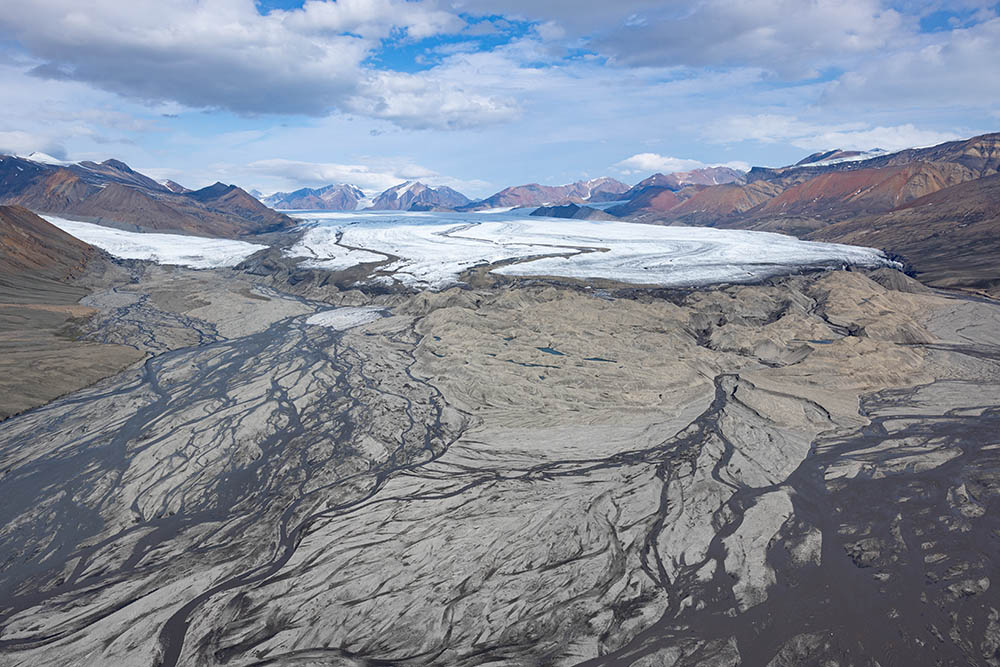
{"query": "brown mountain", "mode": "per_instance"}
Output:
(32, 248)
(40, 355)
(572, 211)
(846, 194)
(533, 194)
(973, 158)
(680, 179)
(651, 202)
(415, 196)
(112, 193)
(175, 187)
(825, 187)
(334, 197)
(950, 237)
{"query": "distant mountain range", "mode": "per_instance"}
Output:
(111, 192)
(334, 197)
(935, 206)
(415, 196)
(597, 190)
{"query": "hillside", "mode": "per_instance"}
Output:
(679, 179)
(533, 194)
(824, 187)
(40, 284)
(35, 251)
(950, 237)
(112, 193)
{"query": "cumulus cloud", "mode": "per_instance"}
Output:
(23, 143)
(428, 101)
(788, 36)
(223, 54)
(378, 175)
(957, 67)
(644, 163)
(774, 128)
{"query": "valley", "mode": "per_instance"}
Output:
(519, 471)
(454, 432)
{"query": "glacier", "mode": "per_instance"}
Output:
(195, 252)
(432, 249)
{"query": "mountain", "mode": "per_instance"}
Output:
(334, 197)
(415, 196)
(837, 155)
(43, 272)
(950, 237)
(33, 249)
(532, 194)
(820, 189)
(173, 186)
(971, 158)
(573, 211)
(845, 194)
(679, 179)
(111, 192)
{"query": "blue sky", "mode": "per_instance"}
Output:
(479, 95)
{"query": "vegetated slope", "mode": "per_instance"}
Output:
(333, 197)
(950, 237)
(415, 196)
(111, 192)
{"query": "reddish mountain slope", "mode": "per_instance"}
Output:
(680, 179)
(534, 194)
(849, 193)
(951, 237)
(31, 245)
(802, 198)
(112, 192)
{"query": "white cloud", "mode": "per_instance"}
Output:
(23, 143)
(815, 136)
(943, 70)
(280, 174)
(789, 36)
(428, 101)
(223, 54)
(644, 163)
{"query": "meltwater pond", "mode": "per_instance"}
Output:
(432, 249)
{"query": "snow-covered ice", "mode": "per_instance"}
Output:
(191, 251)
(431, 249)
(321, 246)
(346, 318)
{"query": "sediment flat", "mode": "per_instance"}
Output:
(530, 473)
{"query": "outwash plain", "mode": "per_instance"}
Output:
(296, 470)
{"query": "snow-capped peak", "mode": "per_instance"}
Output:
(44, 158)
